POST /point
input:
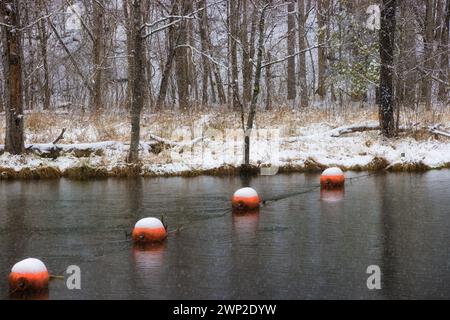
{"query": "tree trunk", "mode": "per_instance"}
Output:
(268, 83)
(233, 18)
(138, 82)
(302, 56)
(14, 138)
(181, 58)
(387, 33)
(43, 44)
(322, 7)
(428, 56)
(130, 59)
(444, 70)
(256, 86)
(291, 92)
(172, 43)
(248, 51)
(97, 12)
(407, 79)
(203, 23)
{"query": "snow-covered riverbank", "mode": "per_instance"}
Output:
(212, 144)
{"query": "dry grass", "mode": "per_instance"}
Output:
(85, 172)
(30, 173)
(126, 171)
(44, 127)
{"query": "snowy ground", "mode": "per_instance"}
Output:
(175, 144)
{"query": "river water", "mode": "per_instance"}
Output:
(308, 246)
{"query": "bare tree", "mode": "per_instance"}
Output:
(444, 71)
(247, 43)
(173, 43)
(203, 23)
(98, 53)
(130, 60)
(43, 37)
(256, 85)
(387, 33)
(302, 57)
(291, 83)
(269, 84)
(182, 56)
(428, 54)
(138, 85)
(322, 16)
(14, 138)
(233, 34)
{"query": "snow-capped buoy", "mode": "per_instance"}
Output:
(29, 275)
(334, 195)
(332, 178)
(245, 199)
(149, 230)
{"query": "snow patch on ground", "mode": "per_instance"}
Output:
(215, 148)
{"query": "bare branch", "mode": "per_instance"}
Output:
(203, 54)
(290, 56)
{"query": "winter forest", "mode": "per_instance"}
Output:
(169, 85)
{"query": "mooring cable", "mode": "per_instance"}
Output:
(309, 189)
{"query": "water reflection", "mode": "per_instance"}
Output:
(149, 255)
(245, 222)
(332, 195)
(40, 295)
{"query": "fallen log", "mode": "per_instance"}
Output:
(436, 130)
(350, 129)
(337, 132)
(162, 143)
(173, 143)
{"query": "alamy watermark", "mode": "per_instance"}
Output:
(374, 280)
(373, 21)
(73, 281)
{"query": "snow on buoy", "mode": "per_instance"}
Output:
(332, 178)
(29, 275)
(245, 199)
(149, 230)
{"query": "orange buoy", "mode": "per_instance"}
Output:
(149, 230)
(245, 199)
(28, 276)
(332, 178)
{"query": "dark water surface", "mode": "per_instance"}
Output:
(300, 247)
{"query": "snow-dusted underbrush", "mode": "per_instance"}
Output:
(211, 142)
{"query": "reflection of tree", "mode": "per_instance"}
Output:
(14, 204)
(134, 199)
(414, 235)
(388, 258)
(246, 180)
